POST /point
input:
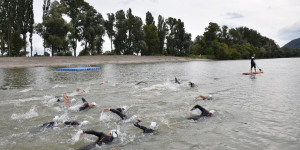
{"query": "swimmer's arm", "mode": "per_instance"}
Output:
(98, 134)
(139, 126)
(118, 113)
(67, 100)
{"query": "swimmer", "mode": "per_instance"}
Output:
(118, 111)
(102, 138)
(67, 100)
(209, 97)
(176, 81)
(141, 82)
(103, 82)
(80, 91)
(151, 128)
(204, 113)
(191, 84)
(85, 105)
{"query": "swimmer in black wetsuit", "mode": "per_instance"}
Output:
(141, 82)
(102, 138)
(204, 113)
(176, 81)
(191, 84)
(85, 105)
(145, 129)
(118, 111)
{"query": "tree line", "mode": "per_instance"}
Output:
(16, 21)
(128, 34)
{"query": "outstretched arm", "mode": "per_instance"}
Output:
(139, 126)
(118, 113)
(98, 134)
(204, 111)
(67, 100)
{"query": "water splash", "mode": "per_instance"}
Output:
(30, 114)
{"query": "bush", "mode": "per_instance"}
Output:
(46, 54)
(84, 53)
(68, 54)
(59, 54)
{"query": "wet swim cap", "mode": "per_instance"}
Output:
(153, 125)
(125, 108)
(55, 119)
(115, 133)
(212, 111)
(210, 96)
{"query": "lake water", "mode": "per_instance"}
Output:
(252, 112)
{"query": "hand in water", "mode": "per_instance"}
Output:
(190, 112)
(106, 109)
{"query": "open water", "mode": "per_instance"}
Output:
(252, 112)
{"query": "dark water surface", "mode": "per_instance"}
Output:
(252, 112)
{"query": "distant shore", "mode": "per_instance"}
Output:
(65, 61)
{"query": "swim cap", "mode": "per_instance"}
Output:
(55, 119)
(212, 111)
(209, 96)
(115, 133)
(153, 125)
(125, 108)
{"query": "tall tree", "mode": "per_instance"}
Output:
(92, 30)
(109, 26)
(30, 18)
(56, 28)
(151, 39)
(162, 32)
(121, 30)
(46, 8)
(74, 10)
(130, 21)
(138, 43)
(149, 18)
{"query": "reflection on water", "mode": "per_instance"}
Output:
(252, 112)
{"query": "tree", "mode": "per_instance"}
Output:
(74, 10)
(130, 21)
(149, 18)
(109, 26)
(151, 39)
(91, 29)
(121, 30)
(55, 28)
(138, 43)
(162, 32)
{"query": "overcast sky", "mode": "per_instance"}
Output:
(275, 19)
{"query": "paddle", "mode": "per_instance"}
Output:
(258, 67)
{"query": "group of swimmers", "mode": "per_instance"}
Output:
(109, 137)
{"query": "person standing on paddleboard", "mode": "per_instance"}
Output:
(253, 64)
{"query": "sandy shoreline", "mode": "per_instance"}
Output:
(62, 61)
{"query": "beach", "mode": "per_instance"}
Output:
(66, 61)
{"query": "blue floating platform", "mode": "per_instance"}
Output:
(78, 69)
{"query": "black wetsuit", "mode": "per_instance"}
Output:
(72, 123)
(204, 113)
(84, 107)
(146, 130)
(102, 138)
(48, 125)
(118, 111)
(176, 81)
(253, 62)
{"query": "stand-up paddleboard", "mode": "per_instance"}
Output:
(250, 73)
